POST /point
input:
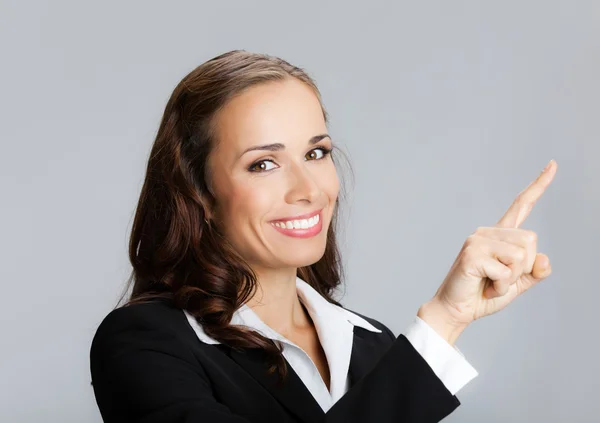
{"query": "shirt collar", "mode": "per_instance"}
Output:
(322, 312)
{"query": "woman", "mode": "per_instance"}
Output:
(234, 256)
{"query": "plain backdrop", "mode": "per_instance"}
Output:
(446, 109)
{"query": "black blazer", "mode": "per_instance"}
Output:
(148, 366)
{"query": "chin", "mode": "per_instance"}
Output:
(301, 257)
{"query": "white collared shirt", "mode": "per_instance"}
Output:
(334, 326)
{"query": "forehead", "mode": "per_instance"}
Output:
(285, 111)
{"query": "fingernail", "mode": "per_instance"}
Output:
(548, 165)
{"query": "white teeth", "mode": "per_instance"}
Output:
(298, 224)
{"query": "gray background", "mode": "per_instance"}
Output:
(446, 109)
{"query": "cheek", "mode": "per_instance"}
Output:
(331, 184)
(247, 203)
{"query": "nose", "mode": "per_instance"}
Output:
(302, 185)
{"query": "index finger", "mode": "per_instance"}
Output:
(523, 204)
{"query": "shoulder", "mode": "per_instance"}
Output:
(158, 314)
(139, 326)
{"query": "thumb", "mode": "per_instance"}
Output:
(541, 270)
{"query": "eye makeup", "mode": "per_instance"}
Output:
(253, 167)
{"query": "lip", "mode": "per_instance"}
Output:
(298, 217)
(301, 233)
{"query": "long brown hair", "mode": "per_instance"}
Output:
(178, 256)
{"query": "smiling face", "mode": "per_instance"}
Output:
(273, 178)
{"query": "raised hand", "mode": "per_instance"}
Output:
(495, 265)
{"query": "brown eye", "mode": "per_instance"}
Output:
(314, 154)
(260, 166)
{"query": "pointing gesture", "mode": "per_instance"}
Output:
(521, 207)
(495, 265)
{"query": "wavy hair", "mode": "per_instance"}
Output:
(176, 254)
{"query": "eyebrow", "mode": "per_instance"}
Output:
(279, 146)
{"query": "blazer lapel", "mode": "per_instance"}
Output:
(365, 353)
(292, 393)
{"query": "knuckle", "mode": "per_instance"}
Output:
(468, 254)
(471, 240)
(480, 231)
(531, 236)
(520, 254)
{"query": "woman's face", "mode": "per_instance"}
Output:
(274, 182)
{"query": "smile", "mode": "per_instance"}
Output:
(302, 228)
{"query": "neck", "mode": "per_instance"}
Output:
(276, 301)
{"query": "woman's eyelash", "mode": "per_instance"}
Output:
(252, 168)
(325, 150)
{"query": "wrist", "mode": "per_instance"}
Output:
(440, 320)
